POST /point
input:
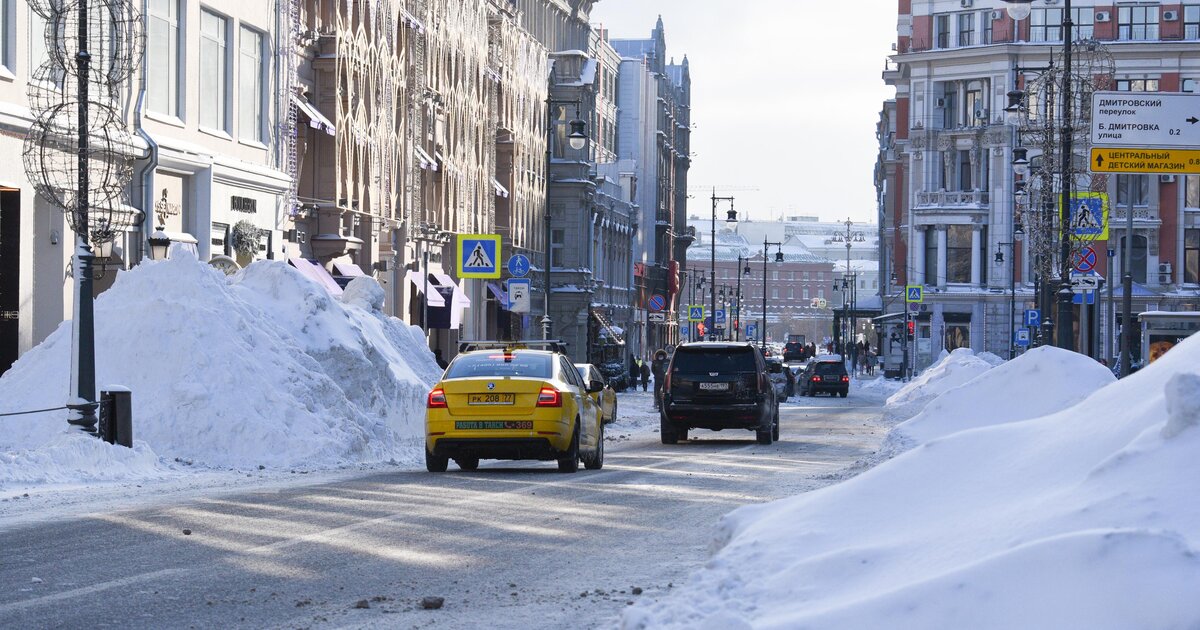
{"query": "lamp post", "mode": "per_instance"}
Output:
(762, 334)
(741, 272)
(1012, 289)
(730, 219)
(577, 139)
(1019, 10)
(850, 238)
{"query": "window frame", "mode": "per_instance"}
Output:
(223, 78)
(1137, 23)
(176, 36)
(259, 122)
(1191, 21)
(1191, 256)
(942, 31)
(965, 23)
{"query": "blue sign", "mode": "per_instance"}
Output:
(1033, 318)
(696, 313)
(914, 293)
(751, 330)
(720, 318)
(685, 331)
(520, 295)
(657, 302)
(479, 256)
(1023, 338)
(518, 265)
(1088, 215)
(1077, 298)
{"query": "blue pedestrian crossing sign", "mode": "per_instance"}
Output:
(1087, 216)
(1023, 338)
(914, 293)
(479, 256)
(751, 329)
(518, 265)
(1033, 318)
(695, 313)
(720, 313)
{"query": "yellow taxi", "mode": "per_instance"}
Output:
(521, 400)
(606, 397)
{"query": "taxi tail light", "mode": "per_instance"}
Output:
(549, 397)
(437, 399)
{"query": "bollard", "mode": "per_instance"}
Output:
(116, 416)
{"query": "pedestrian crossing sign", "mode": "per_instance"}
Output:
(1087, 216)
(914, 293)
(479, 256)
(695, 313)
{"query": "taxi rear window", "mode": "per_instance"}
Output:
(532, 365)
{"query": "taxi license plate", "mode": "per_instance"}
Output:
(477, 425)
(714, 387)
(491, 399)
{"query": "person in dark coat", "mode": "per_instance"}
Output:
(634, 372)
(441, 361)
(659, 367)
(645, 375)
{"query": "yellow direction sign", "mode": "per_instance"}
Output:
(1166, 161)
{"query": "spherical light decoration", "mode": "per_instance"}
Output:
(1018, 9)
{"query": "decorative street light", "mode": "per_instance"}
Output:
(730, 219)
(762, 334)
(849, 310)
(577, 140)
(741, 272)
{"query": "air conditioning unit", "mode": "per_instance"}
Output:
(966, 4)
(1164, 268)
(1103, 16)
(1170, 16)
(996, 15)
(939, 103)
(1166, 179)
(981, 114)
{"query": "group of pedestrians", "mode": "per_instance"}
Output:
(641, 370)
(865, 359)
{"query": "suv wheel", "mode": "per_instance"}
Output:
(843, 394)
(764, 437)
(569, 462)
(667, 431)
(436, 463)
(775, 426)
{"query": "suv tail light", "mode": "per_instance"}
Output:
(549, 397)
(437, 399)
(845, 379)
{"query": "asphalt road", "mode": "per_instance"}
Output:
(514, 545)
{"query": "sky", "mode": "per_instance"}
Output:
(785, 97)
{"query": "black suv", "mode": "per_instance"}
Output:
(713, 385)
(794, 351)
(824, 375)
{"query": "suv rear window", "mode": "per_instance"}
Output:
(830, 368)
(733, 360)
(528, 364)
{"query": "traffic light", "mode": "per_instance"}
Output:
(912, 329)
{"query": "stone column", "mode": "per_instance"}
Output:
(976, 245)
(941, 256)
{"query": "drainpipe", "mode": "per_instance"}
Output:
(146, 173)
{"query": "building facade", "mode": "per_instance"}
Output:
(946, 184)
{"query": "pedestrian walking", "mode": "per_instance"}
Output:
(872, 359)
(634, 372)
(645, 375)
(441, 361)
(659, 367)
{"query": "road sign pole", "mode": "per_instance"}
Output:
(1127, 284)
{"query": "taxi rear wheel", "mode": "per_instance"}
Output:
(436, 463)
(468, 464)
(595, 461)
(569, 462)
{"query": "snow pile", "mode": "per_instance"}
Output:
(1085, 518)
(954, 369)
(1042, 381)
(262, 369)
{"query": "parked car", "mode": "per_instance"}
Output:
(825, 374)
(794, 349)
(606, 397)
(520, 400)
(716, 386)
(782, 378)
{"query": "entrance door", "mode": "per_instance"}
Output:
(10, 274)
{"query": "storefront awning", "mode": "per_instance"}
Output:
(418, 281)
(425, 160)
(501, 191)
(316, 119)
(347, 269)
(608, 331)
(499, 293)
(316, 272)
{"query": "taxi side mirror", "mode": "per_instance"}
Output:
(595, 387)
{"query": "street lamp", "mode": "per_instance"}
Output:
(762, 334)
(742, 272)
(577, 140)
(850, 238)
(1019, 10)
(731, 219)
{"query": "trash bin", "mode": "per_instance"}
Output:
(116, 416)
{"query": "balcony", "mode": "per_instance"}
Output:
(953, 200)
(1142, 215)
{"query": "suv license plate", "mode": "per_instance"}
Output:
(714, 387)
(831, 378)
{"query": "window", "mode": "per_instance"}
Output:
(958, 253)
(556, 248)
(931, 256)
(214, 70)
(162, 55)
(1191, 22)
(805, 294)
(986, 33)
(775, 293)
(1137, 85)
(1045, 25)
(6, 35)
(1141, 190)
(1137, 23)
(774, 275)
(38, 53)
(1191, 256)
(806, 276)
(251, 101)
(821, 294)
(950, 105)
(966, 29)
(943, 30)
(1191, 191)
(1138, 264)
(792, 293)
(1188, 85)
(964, 170)
(820, 276)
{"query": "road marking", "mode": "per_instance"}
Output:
(88, 590)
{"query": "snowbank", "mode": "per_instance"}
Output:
(1040, 382)
(1085, 518)
(262, 369)
(954, 369)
